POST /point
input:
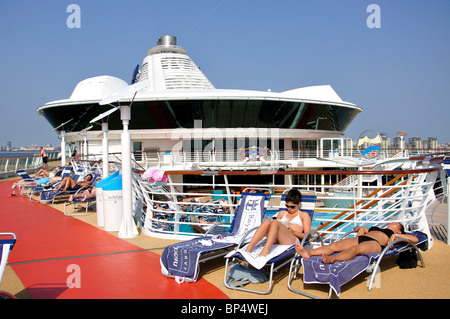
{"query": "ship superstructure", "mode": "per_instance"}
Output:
(180, 118)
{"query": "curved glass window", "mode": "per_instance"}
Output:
(212, 113)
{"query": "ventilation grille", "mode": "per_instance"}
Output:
(143, 72)
(181, 73)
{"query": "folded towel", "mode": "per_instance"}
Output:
(254, 258)
(155, 175)
(181, 259)
(228, 239)
(336, 274)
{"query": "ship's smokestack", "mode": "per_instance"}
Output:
(167, 40)
(169, 68)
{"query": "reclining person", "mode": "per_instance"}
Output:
(367, 241)
(287, 226)
(87, 194)
(37, 182)
(69, 184)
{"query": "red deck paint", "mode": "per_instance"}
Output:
(67, 250)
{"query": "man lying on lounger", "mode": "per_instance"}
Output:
(367, 241)
(69, 184)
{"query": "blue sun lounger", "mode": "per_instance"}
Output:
(49, 196)
(32, 190)
(337, 274)
(25, 178)
(80, 201)
(24, 175)
(181, 260)
(279, 256)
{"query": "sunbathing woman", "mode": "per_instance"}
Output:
(37, 182)
(87, 194)
(285, 228)
(367, 241)
(69, 184)
(45, 172)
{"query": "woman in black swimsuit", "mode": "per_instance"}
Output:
(367, 241)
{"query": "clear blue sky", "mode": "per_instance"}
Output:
(399, 73)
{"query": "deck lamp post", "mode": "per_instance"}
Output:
(85, 142)
(63, 148)
(105, 145)
(62, 133)
(402, 135)
(127, 228)
(105, 150)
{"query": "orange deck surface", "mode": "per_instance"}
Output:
(53, 249)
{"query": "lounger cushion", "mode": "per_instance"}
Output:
(339, 273)
(181, 259)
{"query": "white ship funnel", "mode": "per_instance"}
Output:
(168, 67)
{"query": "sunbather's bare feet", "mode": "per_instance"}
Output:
(71, 198)
(84, 198)
(264, 252)
(327, 259)
(301, 251)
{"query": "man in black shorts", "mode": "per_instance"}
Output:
(44, 158)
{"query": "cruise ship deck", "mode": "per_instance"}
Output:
(52, 249)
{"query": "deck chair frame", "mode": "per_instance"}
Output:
(32, 190)
(24, 175)
(76, 201)
(7, 245)
(215, 253)
(277, 262)
(375, 263)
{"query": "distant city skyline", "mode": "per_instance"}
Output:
(388, 57)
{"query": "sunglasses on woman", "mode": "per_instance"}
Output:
(291, 206)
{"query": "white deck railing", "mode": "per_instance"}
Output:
(13, 163)
(403, 198)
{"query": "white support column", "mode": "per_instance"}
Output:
(63, 148)
(105, 150)
(128, 228)
(85, 146)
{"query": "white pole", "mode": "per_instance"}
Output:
(448, 210)
(127, 228)
(105, 151)
(63, 148)
(402, 145)
(85, 146)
